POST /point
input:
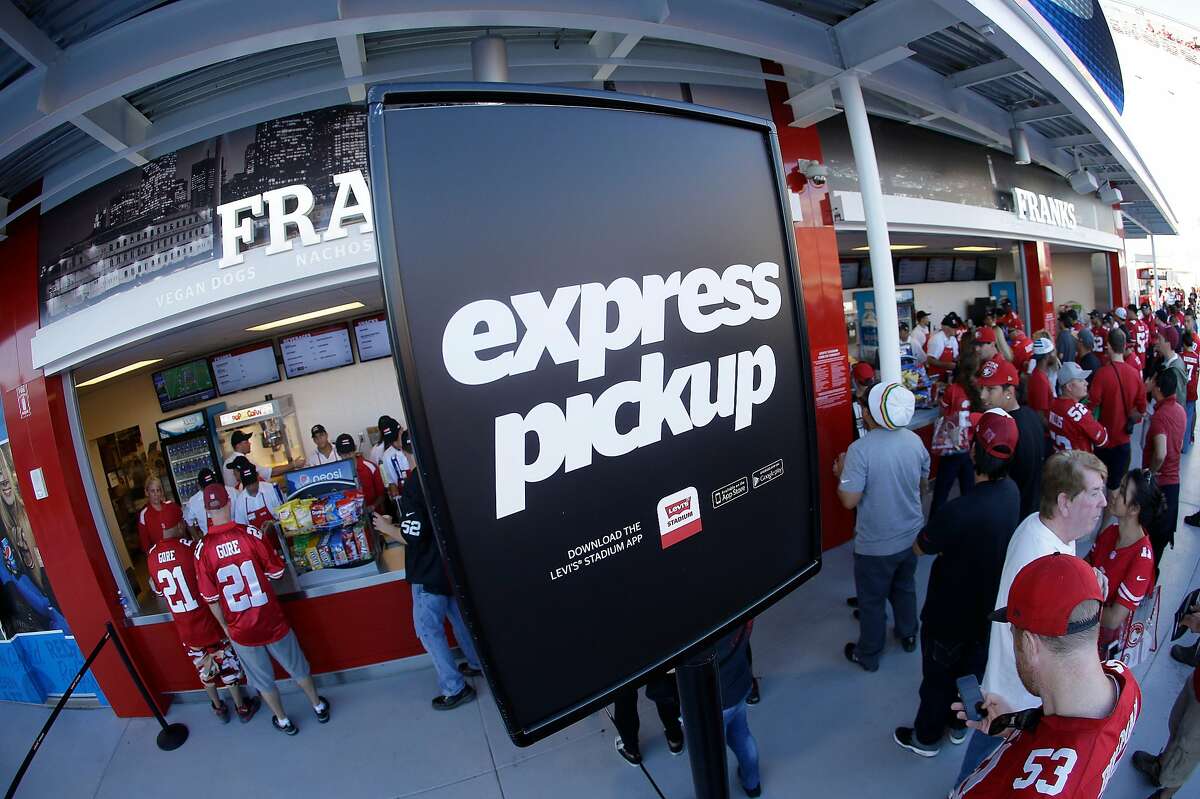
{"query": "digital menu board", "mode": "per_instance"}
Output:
(910, 270)
(865, 279)
(964, 268)
(316, 350)
(985, 268)
(245, 367)
(183, 385)
(940, 270)
(371, 335)
(849, 274)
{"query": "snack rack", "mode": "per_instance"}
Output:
(329, 537)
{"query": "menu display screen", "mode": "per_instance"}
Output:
(940, 270)
(910, 270)
(316, 350)
(849, 274)
(371, 335)
(245, 367)
(964, 268)
(865, 279)
(183, 385)
(985, 268)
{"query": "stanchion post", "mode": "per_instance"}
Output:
(171, 736)
(703, 724)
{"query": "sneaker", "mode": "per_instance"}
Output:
(323, 713)
(221, 712)
(1184, 654)
(675, 745)
(754, 698)
(467, 670)
(1193, 520)
(751, 792)
(1148, 765)
(451, 702)
(905, 737)
(289, 729)
(851, 653)
(247, 711)
(958, 735)
(632, 758)
(909, 643)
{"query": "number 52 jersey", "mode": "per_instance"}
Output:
(235, 568)
(172, 565)
(1071, 758)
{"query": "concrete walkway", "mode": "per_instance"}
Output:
(823, 727)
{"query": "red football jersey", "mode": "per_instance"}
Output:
(172, 564)
(1037, 392)
(234, 566)
(1191, 363)
(370, 479)
(1070, 758)
(1072, 426)
(151, 522)
(1130, 570)
(1011, 321)
(1141, 335)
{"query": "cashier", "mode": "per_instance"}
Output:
(368, 473)
(194, 512)
(395, 461)
(240, 441)
(258, 501)
(324, 451)
(376, 453)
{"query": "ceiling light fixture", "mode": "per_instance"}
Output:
(894, 247)
(976, 248)
(304, 317)
(124, 370)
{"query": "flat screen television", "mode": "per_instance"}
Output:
(911, 270)
(964, 269)
(985, 268)
(849, 274)
(316, 350)
(940, 270)
(245, 367)
(184, 384)
(371, 337)
(865, 279)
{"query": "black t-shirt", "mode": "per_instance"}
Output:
(1090, 362)
(970, 536)
(423, 563)
(1026, 468)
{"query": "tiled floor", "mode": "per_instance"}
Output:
(824, 728)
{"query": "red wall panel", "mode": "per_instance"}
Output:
(1038, 277)
(821, 283)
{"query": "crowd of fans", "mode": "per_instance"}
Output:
(1037, 431)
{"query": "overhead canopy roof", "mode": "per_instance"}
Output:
(87, 89)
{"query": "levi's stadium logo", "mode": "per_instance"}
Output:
(678, 516)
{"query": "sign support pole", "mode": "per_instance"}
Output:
(703, 724)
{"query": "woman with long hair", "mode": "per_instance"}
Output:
(26, 602)
(952, 438)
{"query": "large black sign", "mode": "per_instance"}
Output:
(599, 333)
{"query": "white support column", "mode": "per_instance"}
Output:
(877, 232)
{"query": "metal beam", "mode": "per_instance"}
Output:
(24, 37)
(886, 27)
(1081, 140)
(984, 73)
(618, 52)
(1048, 111)
(354, 56)
(117, 125)
(813, 105)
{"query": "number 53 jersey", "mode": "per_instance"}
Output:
(1070, 758)
(234, 567)
(172, 565)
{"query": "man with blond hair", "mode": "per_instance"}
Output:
(1073, 498)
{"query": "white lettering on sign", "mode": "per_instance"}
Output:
(353, 202)
(1040, 208)
(569, 433)
(246, 414)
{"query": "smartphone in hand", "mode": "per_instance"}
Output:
(972, 697)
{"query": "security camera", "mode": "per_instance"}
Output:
(817, 172)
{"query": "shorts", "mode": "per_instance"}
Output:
(216, 663)
(256, 660)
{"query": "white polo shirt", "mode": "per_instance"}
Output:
(1030, 541)
(315, 458)
(395, 465)
(244, 505)
(231, 475)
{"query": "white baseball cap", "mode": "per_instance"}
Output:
(1071, 371)
(891, 405)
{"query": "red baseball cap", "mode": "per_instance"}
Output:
(997, 372)
(1022, 349)
(1046, 591)
(985, 335)
(996, 432)
(215, 496)
(863, 373)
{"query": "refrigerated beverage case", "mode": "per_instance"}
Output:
(187, 448)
